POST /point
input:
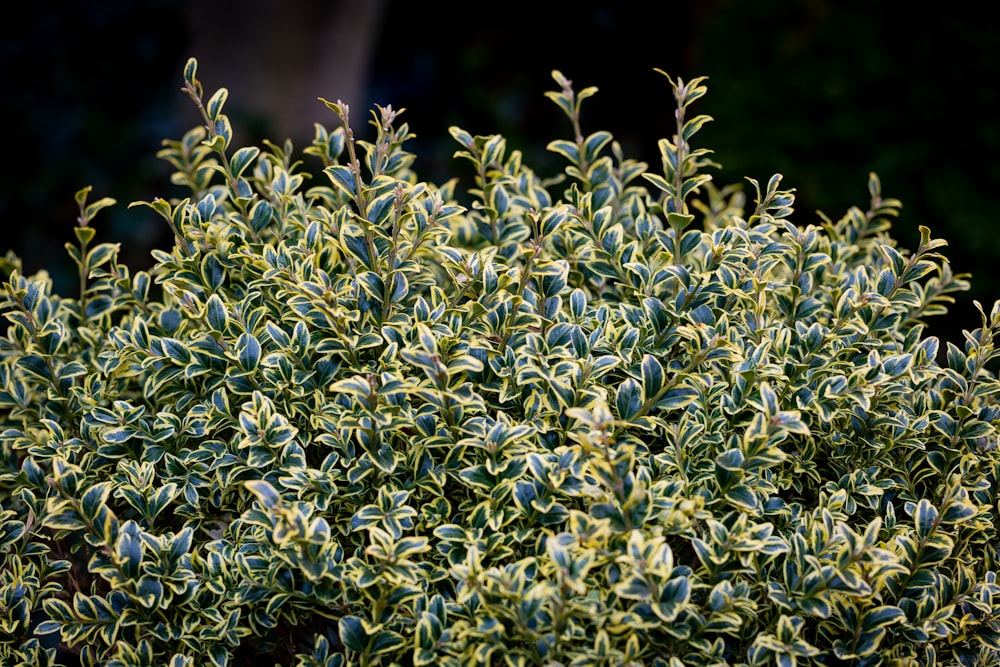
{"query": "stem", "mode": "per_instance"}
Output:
(681, 145)
(83, 281)
(494, 228)
(393, 249)
(619, 487)
(517, 300)
(355, 163)
(578, 136)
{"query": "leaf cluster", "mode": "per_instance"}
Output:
(605, 417)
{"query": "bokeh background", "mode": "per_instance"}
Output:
(822, 91)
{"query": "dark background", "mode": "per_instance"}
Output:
(822, 91)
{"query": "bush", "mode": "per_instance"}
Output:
(606, 418)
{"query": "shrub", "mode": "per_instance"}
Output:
(615, 417)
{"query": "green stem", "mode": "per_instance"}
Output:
(83, 281)
(681, 145)
(516, 300)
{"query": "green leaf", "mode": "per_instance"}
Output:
(190, 70)
(353, 240)
(399, 287)
(160, 499)
(815, 606)
(215, 104)
(265, 493)
(692, 126)
(677, 398)
(352, 633)
(925, 517)
(957, 512)
(769, 400)
(343, 178)
(567, 149)
(119, 434)
(593, 144)
(897, 259)
(176, 350)
(380, 208)
(248, 352)
(897, 364)
(81, 195)
(659, 182)
(84, 234)
(679, 221)
(944, 423)
(462, 137)
(384, 457)
(357, 385)
(91, 210)
(743, 496)
(881, 617)
(628, 399)
(213, 273)
(652, 376)
(260, 216)
(94, 498)
(634, 587)
(386, 641)
(216, 314)
(101, 255)
(219, 655)
(577, 303)
(731, 459)
(36, 366)
(242, 159)
(975, 429)
(552, 221)
(149, 592)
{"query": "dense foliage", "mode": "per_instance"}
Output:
(617, 416)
